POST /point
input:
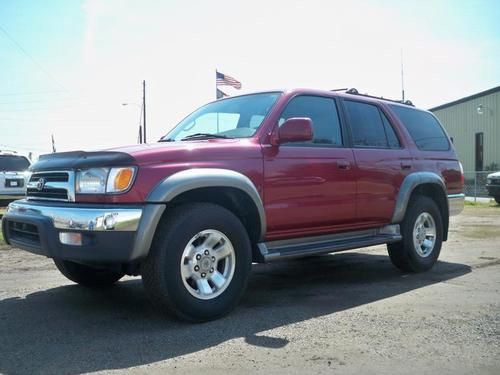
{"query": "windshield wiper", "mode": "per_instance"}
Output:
(166, 140)
(204, 135)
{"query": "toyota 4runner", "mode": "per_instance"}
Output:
(253, 178)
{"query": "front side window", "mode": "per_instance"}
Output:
(12, 163)
(423, 128)
(237, 117)
(323, 113)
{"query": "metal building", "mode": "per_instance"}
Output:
(473, 123)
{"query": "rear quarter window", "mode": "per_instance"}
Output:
(423, 127)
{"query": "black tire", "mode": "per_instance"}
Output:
(86, 275)
(161, 273)
(404, 254)
(497, 199)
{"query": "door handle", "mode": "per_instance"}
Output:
(343, 164)
(405, 165)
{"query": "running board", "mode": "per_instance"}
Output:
(302, 247)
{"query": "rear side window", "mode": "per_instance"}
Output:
(370, 128)
(425, 130)
(12, 163)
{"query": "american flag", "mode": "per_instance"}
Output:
(225, 80)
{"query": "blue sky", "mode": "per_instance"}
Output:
(84, 58)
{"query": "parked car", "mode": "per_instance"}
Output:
(13, 175)
(254, 178)
(493, 185)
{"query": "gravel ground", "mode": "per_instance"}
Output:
(346, 313)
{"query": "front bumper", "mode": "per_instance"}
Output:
(456, 203)
(110, 233)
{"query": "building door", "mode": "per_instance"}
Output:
(479, 152)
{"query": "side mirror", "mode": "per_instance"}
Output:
(296, 129)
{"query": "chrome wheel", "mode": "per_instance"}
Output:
(207, 264)
(424, 234)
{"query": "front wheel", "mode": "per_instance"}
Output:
(199, 262)
(86, 275)
(497, 199)
(422, 231)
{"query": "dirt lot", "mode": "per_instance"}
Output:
(345, 313)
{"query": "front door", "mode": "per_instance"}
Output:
(309, 187)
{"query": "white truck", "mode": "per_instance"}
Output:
(14, 175)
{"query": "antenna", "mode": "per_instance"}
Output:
(402, 79)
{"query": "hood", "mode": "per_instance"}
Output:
(161, 152)
(495, 174)
(167, 152)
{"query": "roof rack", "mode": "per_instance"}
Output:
(10, 151)
(354, 91)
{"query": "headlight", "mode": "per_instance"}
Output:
(104, 180)
(488, 181)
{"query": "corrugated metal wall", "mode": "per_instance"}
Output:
(462, 122)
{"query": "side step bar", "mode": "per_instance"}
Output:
(302, 247)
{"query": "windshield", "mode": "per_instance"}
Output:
(237, 117)
(10, 163)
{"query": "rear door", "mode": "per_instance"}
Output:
(381, 161)
(310, 187)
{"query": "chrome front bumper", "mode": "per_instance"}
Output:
(89, 233)
(455, 203)
(81, 219)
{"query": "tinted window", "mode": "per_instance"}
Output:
(322, 112)
(423, 128)
(366, 125)
(392, 138)
(13, 163)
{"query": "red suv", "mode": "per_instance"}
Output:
(253, 178)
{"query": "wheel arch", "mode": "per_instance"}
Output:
(422, 183)
(228, 188)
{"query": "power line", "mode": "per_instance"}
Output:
(21, 48)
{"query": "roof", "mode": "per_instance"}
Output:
(467, 98)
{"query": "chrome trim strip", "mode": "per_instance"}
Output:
(82, 219)
(456, 203)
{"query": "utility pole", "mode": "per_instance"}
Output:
(144, 108)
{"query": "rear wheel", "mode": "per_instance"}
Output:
(86, 275)
(422, 231)
(199, 262)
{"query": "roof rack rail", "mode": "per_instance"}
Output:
(11, 151)
(354, 91)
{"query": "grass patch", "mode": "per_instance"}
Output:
(491, 203)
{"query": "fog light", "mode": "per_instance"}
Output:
(70, 238)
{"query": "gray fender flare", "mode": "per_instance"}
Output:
(195, 178)
(409, 184)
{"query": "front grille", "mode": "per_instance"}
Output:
(55, 186)
(23, 232)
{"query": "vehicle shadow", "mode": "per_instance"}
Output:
(71, 329)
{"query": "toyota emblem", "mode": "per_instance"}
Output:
(40, 184)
